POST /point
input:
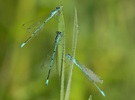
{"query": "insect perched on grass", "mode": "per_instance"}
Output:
(53, 13)
(90, 74)
(57, 38)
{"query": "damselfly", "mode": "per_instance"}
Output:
(53, 13)
(90, 74)
(57, 38)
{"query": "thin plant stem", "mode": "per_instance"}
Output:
(61, 54)
(75, 34)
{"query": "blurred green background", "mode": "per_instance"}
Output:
(106, 44)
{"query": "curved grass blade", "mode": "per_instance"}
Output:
(75, 34)
(61, 54)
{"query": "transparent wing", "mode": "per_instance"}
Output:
(45, 66)
(89, 73)
(31, 26)
(92, 75)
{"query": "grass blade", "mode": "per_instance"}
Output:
(61, 54)
(90, 97)
(75, 33)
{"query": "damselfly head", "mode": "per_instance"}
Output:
(59, 7)
(69, 56)
(58, 32)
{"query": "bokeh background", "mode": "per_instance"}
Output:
(106, 45)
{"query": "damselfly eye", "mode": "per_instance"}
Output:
(57, 7)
